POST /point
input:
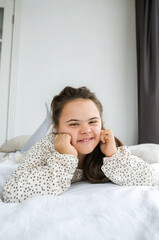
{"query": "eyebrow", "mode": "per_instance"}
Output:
(76, 120)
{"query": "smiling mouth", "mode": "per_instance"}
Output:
(85, 140)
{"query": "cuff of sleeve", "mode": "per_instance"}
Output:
(65, 159)
(122, 154)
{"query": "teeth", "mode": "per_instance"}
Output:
(85, 140)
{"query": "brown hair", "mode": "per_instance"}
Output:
(94, 160)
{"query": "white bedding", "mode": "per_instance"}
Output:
(86, 211)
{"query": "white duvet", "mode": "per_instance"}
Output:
(86, 211)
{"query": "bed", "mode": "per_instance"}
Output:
(85, 211)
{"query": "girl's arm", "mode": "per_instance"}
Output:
(46, 149)
(125, 169)
(38, 154)
(43, 171)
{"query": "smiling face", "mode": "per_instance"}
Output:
(81, 119)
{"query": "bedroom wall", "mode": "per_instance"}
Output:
(78, 43)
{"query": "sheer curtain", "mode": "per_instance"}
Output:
(147, 30)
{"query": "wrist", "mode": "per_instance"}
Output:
(66, 151)
(111, 152)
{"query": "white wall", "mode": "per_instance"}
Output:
(78, 42)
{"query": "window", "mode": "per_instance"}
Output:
(1, 28)
(6, 26)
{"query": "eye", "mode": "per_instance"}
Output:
(73, 124)
(93, 122)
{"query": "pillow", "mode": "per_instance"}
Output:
(14, 144)
(148, 152)
(43, 129)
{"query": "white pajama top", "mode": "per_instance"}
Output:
(44, 171)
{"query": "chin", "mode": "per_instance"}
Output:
(87, 151)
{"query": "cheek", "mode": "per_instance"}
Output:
(73, 137)
(97, 130)
(97, 133)
(71, 132)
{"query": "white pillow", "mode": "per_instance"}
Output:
(14, 144)
(148, 152)
(45, 127)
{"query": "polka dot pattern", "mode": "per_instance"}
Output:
(125, 169)
(44, 171)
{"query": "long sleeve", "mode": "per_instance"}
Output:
(125, 169)
(43, 171)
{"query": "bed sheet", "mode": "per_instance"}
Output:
(86, 211)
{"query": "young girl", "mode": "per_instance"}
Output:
(81, 149)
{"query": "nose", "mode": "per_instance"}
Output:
(85, 129)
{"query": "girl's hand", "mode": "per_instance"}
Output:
(107, 145)
(62, 144)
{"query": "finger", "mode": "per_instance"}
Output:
(106, 131)
(66, 136)
(108, 134)
(60, 137)
(102, 138)
(56, 137)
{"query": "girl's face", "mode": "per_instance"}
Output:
(80, 118)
